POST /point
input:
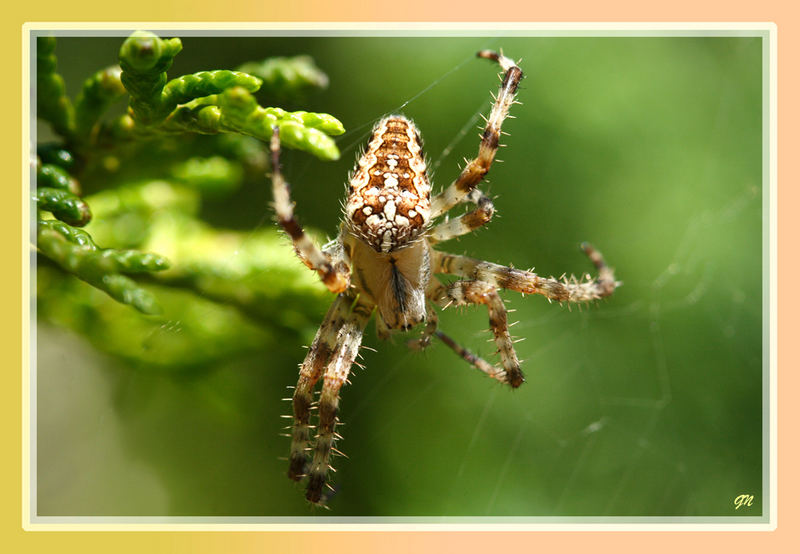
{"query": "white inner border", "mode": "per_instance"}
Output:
(31, 522)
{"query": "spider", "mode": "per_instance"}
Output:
(383, 262)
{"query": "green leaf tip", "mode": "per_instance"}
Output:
(103, 260)
(145, 52)
(144, 59)
(300, 130)
(55, 177)
(297, 136)
(210, 102)
(75, 252)
(236, 111)
(64, 205)
(321, 121)
(72, 234)
(205, 83)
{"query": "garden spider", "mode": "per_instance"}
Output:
(383, 261)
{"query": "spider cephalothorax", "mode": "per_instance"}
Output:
(384, 262)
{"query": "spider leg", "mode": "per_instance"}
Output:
(461, 293)
(336, 372)
(475, 170)
(318, 357)
(527, 282)
(491, 370)
(436, 292)
(334, 271)
(467, 222)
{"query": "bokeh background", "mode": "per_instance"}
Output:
(647, 404)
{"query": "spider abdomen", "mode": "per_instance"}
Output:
(389, 198)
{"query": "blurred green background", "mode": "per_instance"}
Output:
(647, 404)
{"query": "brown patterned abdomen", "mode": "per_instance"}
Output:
(389, 197)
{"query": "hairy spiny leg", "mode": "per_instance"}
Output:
(301, 411)
(528, 282)
(467, 222)
(476, 361)
(319, 356)
(326, 434)
(335, 377)
(333, 272)
(460, 293)
(478, 167)
(436, 293)
(605, 281)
